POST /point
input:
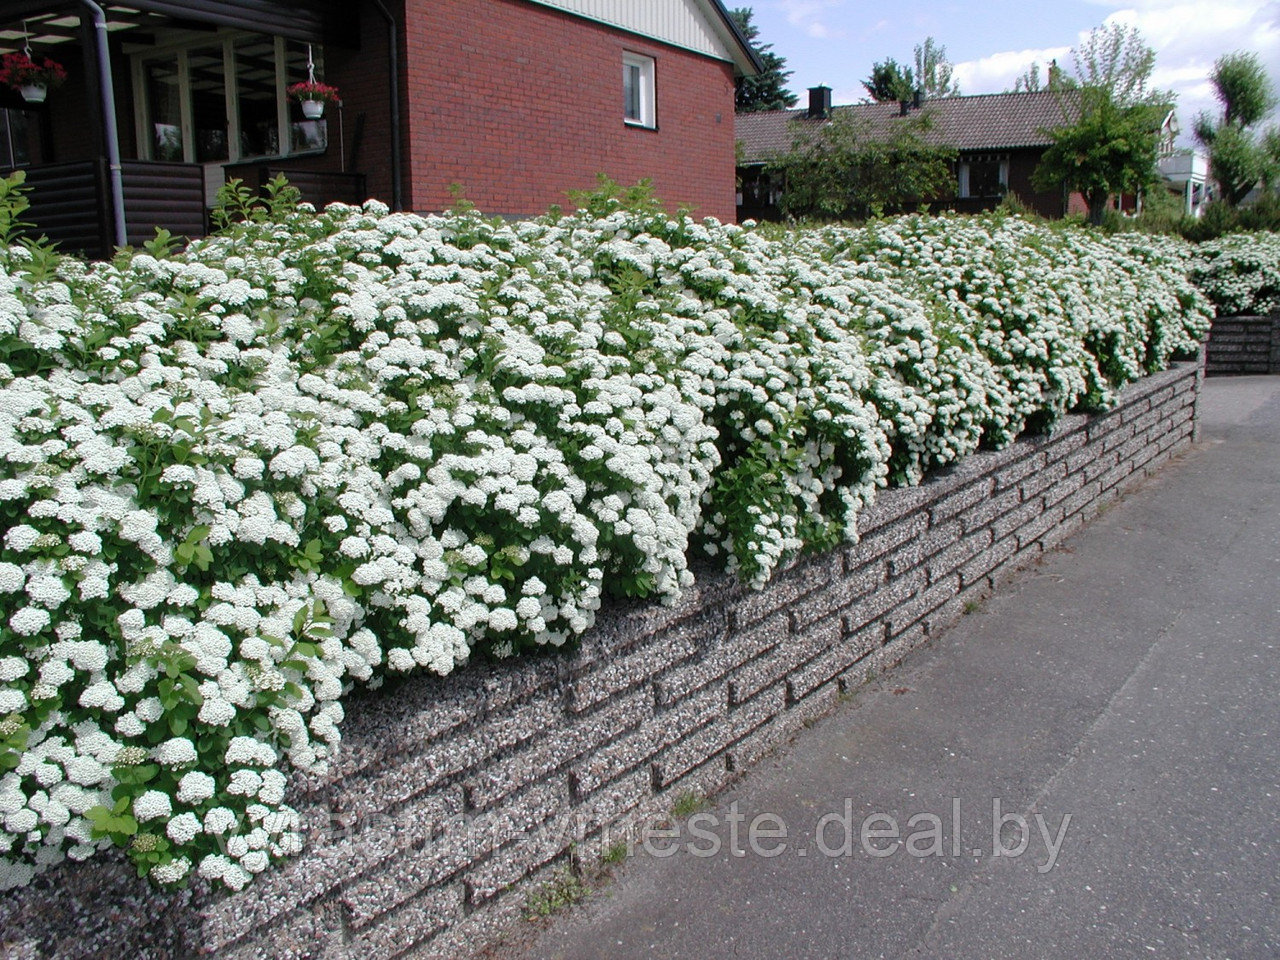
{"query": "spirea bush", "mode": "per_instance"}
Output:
(1240, 273)
(313, 453)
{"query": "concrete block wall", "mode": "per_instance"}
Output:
(454, 798)
(1244, 345)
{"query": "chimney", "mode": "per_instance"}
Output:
(904, 107)
(819, 102)
(918, 100)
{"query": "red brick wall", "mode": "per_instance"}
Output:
(519, 104)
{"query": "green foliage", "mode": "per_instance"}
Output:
(1117, 59)
(767, 90)
(890, 81)
(1241, 84)
(609, 197)
(562, 891)
(687, 804)
(1240, 156)
(846, 170)
(616, 852)
(1013, 205)
(1110, 137)
(933, 71)
(329, 450)
(1030, 80)
(236, 203)
(13, 204)
(36, 257)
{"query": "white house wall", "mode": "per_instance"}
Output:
(682, 23)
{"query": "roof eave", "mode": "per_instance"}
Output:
(747, 62)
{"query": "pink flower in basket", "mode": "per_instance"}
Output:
(18, 70)
(313, 90)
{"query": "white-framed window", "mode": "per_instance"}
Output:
(638, 101)
(983, 176)
(221, 99)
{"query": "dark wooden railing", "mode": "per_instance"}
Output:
(318, 187)
(168, 195)
(66, 205)
(69, 203)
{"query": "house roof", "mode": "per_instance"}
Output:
(704, 26)
(992, 121)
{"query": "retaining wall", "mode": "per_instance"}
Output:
(454, 798)
(1244, 345)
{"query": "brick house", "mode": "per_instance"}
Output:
(999, 139)
(511, 103)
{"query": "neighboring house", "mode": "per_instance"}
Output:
(999, 137)
(516, 102)
(1185, 171)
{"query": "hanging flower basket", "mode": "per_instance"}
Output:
(313, 96)
(31, 77)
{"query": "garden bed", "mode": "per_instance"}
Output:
(319, 454)
(453, 798)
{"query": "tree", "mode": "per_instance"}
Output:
(768, 89)
(1239, 156)
(846, 170)
(890, 82)
(1109, 140)
(932, 73)
(933, 70)
(1030, 81)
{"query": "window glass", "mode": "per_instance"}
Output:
(304, 134)
(986, 177)
(209, 103)
(631, 91)
(164, 99)
(637, 89)
(255, 59)
(15, 142)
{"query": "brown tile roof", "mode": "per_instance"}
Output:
(991, 121)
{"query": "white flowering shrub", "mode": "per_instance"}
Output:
(1240, 273)
(313, 453)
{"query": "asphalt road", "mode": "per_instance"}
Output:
(1121, 701)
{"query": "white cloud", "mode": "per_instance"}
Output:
(807, 15)
(1188, 36)
(997, 73)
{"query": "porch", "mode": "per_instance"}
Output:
(166, 101)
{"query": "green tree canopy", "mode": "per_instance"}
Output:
(934, 71)
(890, 81)
(1110, 137)
(768, 89)
(1239, 155)
(1031, 82)
(846, 170)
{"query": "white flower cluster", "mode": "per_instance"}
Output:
(1240, 272)
(239, 480)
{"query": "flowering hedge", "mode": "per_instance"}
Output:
(308, 454)
(1240, 273)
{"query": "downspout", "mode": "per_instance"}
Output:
(110, 133)
(393, 66)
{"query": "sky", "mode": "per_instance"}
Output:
(992, 43)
